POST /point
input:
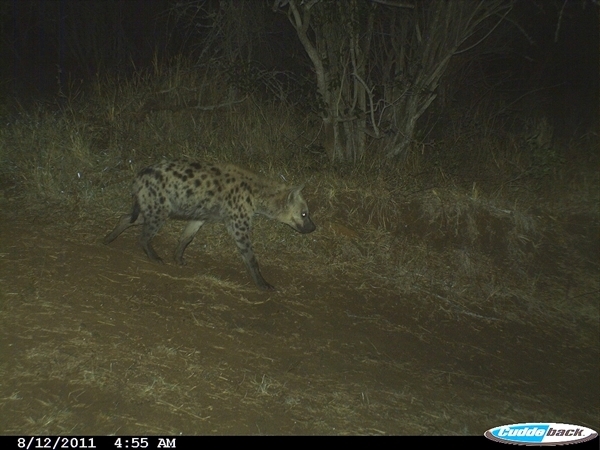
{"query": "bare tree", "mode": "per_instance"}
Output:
(337, 38)
(379, 63)
(414, 53)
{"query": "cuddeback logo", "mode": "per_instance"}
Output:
(540, 434)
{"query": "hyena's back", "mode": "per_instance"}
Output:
(199, 193)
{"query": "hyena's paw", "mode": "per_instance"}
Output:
(267, 287)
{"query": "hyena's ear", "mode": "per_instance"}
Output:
(294, 193)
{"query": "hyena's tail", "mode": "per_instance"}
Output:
(126, 221)
(136, 212)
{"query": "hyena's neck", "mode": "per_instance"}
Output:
(271, 200)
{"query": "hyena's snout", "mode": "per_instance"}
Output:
(305, 226)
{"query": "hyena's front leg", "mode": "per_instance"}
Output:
(242, 240)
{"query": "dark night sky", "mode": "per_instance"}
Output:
(111, 35)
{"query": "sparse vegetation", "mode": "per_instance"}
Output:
(443, 292)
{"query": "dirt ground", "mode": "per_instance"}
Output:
(97, 339)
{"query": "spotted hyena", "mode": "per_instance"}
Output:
(201, 193)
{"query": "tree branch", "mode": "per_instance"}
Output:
(370, 93)
(485, 37)
(394, 4)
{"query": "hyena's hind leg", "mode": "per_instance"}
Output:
(186, 237)
(152, 224)
(126, 221)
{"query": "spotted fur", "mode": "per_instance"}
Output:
(201, 193)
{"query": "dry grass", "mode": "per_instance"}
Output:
(478, 233)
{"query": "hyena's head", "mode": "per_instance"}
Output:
(294, 211)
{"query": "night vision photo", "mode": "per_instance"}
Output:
(299, 217)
